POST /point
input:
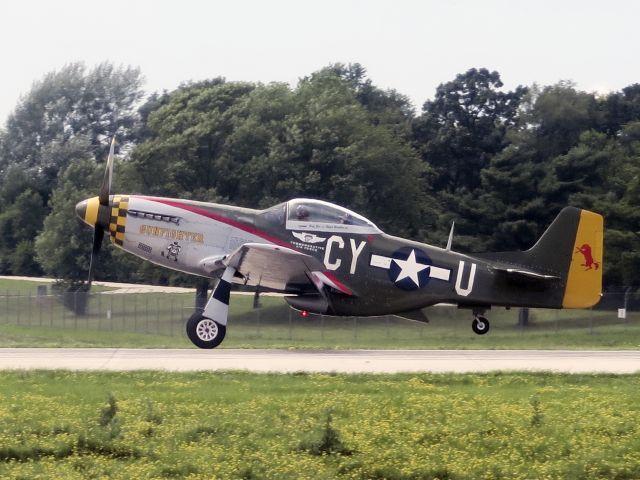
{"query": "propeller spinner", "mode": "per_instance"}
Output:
(96, 211)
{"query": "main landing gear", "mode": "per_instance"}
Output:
(204, 332)
(480, 325)
(207, 328)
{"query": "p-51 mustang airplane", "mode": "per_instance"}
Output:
(333, 261)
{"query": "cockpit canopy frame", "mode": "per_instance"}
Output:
(312, 215)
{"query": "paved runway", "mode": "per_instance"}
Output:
(347, 361)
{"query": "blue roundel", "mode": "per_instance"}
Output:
(409, 268)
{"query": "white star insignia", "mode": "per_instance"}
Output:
(410, 268)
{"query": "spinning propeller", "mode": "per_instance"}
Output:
(96, 211)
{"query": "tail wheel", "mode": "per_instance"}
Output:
(480, 325)
(205, 332)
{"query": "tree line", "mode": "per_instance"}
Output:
(501, 164)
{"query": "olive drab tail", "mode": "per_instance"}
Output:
(567, 257)
(572, 248)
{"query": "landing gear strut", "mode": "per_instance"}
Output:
(207, 328)
(480, 325)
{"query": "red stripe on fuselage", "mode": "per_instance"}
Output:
(222, 219)
(338, 283)
(245, 228)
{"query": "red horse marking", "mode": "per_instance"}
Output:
(589, 262)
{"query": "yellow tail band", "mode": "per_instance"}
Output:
(584, 281)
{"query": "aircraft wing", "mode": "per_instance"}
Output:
(281, 268)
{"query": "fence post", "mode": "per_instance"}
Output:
(112, 314)
(172, 317)
(99, 326)
(29, 308)
(181, 315)
(355, 328)
(626, 299)
(75, 310)
(124, 312)
(455, 323)
(157, 316)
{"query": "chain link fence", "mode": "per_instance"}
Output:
(273, 322)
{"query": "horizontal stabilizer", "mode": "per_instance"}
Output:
(519, 273)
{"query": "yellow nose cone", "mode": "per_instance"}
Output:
(87, 211)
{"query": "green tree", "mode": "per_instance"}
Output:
(69, 104)
(560, 114)
(67, 116)
(464, 126)
(63, 247)
(618, 199)
(331, 148)
(186, 145)
(19, 224)
(256, 145)
(620, 108)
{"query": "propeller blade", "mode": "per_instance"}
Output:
(105, 191)
(98, 235)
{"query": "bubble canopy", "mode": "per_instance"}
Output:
(318, 216)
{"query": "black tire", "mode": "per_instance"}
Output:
(480, 325)
(205, 332)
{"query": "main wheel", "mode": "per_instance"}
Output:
(204, 332)
(480, 325)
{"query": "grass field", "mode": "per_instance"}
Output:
(331, 334)
(240, 425)
(157, 320)
(28, 287)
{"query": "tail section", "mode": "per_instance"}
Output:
(569, 251)
(572, 247)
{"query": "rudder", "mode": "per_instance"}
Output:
(584, 278)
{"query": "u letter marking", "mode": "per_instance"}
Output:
(472, 275)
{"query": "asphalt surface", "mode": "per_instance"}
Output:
(347, 361)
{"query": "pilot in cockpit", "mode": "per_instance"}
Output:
(302, 213)
(346, 219)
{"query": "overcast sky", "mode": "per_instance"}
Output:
(411, 46)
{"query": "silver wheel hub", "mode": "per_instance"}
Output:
(207, 329)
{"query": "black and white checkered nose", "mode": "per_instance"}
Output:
(118, 218)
